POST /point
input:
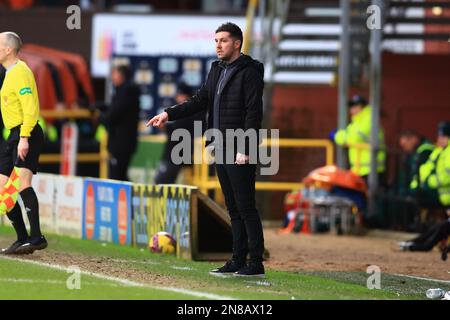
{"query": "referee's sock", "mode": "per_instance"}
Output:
(31, 205)
(15, 215)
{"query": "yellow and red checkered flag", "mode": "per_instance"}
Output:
(10, 193)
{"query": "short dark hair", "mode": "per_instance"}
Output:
(444, 128)
(124, 70)
(409, 133)
(233, 29)
(357, 100)
(184, 88)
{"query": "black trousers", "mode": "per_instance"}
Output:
(427, 240)
(238, 187)
(167, 172)
(118, 165)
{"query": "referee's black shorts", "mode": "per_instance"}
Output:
(8, 151)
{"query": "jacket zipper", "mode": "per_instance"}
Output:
(221, 80)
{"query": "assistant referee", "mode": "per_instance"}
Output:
(20, 112)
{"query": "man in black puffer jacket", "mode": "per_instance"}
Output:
(232, 97)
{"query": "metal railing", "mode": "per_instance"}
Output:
(360, 148)
(101, 157)
(205, 182)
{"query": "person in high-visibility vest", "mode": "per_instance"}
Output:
(356, 134)
(19, 154)
(439, 177)
(434, 175)
(50, 132)
(435, 190)
(2, 78)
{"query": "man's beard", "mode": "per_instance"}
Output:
(225, 58)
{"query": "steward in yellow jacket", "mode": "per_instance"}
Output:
(435, 173)
(357, 134)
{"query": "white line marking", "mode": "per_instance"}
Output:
(19, 280)
(260, 283)
(134, 261)
(181, 268)
(422, 278)
(59, 282)
(125, 281)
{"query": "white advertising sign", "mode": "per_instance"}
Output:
(69, 145)
(44, 186)
(68, 206)
(152, 35)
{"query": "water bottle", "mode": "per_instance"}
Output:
(435, 293)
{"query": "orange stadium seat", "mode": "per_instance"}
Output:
(44, 80)
(68, 84)
(77, 63)
(20, 4)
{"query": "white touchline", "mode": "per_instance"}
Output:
(181, 268)
(59, 282)
(23, 280)
(421, 278)
(124, 281)
(133, 261)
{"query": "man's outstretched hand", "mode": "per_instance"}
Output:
(158, 120)
(241, 159)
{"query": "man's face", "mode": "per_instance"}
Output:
(4, 50)
(116, 77)
(181, 97)
(408, 143)
(225, 45)
(442, 141)
(354, 110)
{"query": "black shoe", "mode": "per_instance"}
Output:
(12, 248)
(405, 245)
(32, 245)
(228, 269)
(444, 254)
(253, 269)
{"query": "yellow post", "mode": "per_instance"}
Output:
(104, 156)
(197, 161)
(204, 174)
(204, 182)
(329, 149)
(248, 26)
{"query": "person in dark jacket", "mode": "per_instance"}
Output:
(168, 170)
(427, 240)
(232, 96)
(417, 150)
(121, 121)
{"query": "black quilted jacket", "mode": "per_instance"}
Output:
(241, 103)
